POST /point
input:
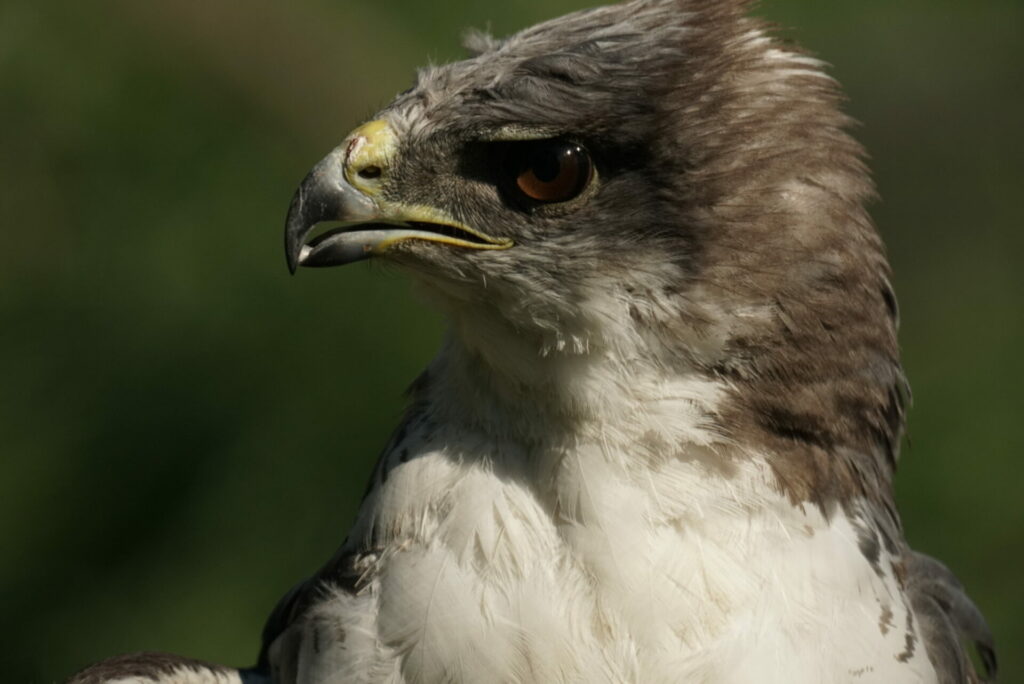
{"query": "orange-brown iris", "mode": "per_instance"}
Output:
(552, 171)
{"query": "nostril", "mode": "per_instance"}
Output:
(370, 172)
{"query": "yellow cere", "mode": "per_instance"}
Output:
(373, 144)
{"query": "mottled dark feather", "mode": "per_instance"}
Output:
(948, 617)
(161, 667)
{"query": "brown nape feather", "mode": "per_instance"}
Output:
(774, 187)
(822, 384)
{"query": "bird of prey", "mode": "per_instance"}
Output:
(659, 439)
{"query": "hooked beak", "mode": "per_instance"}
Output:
(339, 189)
(324, 195)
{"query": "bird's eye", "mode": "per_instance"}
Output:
(549, 171)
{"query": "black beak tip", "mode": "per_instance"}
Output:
(293, 263)
(292, 249)
(296, 227)
(323, 195)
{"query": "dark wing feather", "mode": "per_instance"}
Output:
(282, 634)
(947, 619)
(163, 667)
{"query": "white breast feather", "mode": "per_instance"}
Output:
(610, 557)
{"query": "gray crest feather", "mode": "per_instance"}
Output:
(478, 41)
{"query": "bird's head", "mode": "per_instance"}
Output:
(659, 176)
(548, 169)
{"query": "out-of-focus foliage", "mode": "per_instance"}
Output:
(185, 430)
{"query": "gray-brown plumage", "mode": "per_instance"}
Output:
(659, 441)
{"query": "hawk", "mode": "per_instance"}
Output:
(658, 442)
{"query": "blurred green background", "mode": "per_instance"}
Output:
(185, 430)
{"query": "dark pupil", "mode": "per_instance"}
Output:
(547, 164)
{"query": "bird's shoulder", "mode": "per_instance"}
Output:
(288, 630)
(283, 633)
